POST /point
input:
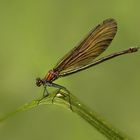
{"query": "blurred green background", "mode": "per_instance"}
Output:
(34, 35)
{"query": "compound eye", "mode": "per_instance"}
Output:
(38, 82)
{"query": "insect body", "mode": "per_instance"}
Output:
(83, 55)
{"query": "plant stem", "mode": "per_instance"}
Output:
(70, 102)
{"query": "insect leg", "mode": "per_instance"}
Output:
(64, 88)
(55, 95)
(45, 92)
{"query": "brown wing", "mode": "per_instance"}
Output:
(92, 46)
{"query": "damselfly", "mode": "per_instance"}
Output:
(82, 56)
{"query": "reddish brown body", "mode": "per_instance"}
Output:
(51, 75)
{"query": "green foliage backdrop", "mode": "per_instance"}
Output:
(34, 35)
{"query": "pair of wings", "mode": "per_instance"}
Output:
(92, 46)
